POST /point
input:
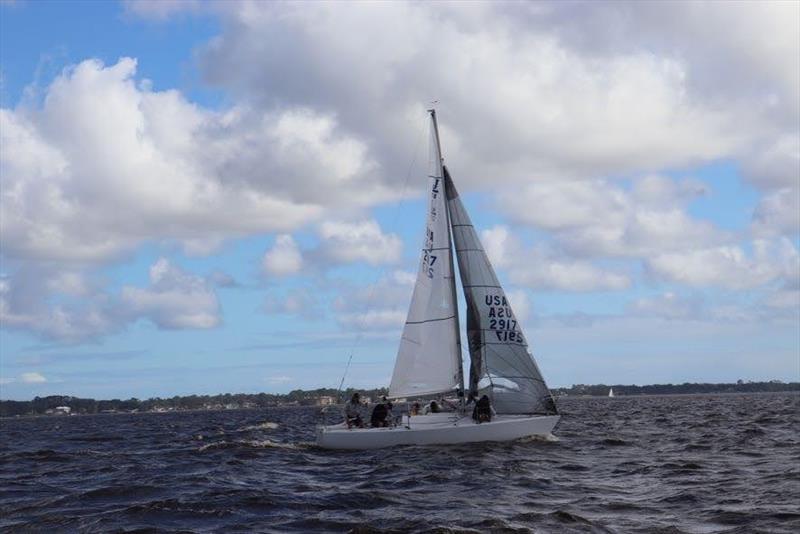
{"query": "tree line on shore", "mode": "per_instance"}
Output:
(299, 397)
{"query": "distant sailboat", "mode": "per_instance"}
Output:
(429, 357)
(611, 392)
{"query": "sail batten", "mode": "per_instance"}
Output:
(500, 363)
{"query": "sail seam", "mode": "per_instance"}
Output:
(430, 320)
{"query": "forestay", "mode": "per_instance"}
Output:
(501, 365)
(429, 358)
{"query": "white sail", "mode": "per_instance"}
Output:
(501, 365)
(429, 358)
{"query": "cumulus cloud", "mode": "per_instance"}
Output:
(601, 218)
(175, 299)
(171, 170)
(348, 242)
(541, 268)
(26, 304)
(382, 305)
(730, 266)
(61, 305)
(535, 102)
(284, 258)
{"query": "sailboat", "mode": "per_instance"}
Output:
(429, 361)
(610, 392)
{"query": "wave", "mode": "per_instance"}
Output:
(267, 425)
(253, 444)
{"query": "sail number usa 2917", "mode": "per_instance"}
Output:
(501, 320)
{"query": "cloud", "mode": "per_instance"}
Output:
(62, 306)
(669, 306)
(601, 218)
(26, 303)
(548, 90)
(174, 300)
(778, 212)
(32, 378)
(381, 306)
(784, 298)
(284, 258)
(349, 242)
(520, 303)
(775, 164)
(730, 266)
(171, 169)
(542, 269)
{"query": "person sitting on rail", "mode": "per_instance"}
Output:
(352, 412)
(431, 407)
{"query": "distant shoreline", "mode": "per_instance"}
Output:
(56, 405)
(301, 406)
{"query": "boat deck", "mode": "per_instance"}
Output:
(441, 428)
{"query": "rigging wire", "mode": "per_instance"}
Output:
(347, 367)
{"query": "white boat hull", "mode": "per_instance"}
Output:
(436, 429)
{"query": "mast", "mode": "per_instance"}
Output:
(460, 365)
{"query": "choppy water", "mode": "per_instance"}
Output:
(727, 463)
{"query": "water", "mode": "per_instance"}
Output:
(725, 463)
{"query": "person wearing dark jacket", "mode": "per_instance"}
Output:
(483, 411)
(379, 414)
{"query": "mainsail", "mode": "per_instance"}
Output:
(429, 358)
(501, 365)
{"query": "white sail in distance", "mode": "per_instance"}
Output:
(429, 358)
(500, 363)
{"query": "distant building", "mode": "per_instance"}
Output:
(326, 400)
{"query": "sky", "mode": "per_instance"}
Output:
(209, 197)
